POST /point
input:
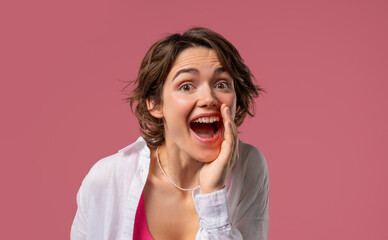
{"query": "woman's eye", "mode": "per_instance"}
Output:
(222, 85)
(186, 87)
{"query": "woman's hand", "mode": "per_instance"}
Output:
(213, 174)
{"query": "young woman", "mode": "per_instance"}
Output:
(188, 176)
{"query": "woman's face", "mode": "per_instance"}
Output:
(193, 93)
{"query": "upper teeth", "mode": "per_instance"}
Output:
(207, 120)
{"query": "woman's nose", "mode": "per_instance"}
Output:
(207, 97)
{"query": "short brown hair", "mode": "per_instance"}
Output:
(158, 62)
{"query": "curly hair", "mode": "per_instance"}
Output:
(157, 64)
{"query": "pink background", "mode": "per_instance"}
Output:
(322, 124)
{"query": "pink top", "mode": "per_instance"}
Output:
(141, 232)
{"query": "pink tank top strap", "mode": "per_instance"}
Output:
(141, 231)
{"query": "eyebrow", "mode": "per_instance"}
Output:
(219, 71)
(185, 71)
(194, 70)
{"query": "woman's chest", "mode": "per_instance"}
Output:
(171, 217)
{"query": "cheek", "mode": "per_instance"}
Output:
(182, 107)
(184, 103)
(177, 109)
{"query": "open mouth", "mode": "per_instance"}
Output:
(206, 127)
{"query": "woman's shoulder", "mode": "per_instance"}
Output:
(248, 182)
(251, 157)
(251, 167)
(125, 162)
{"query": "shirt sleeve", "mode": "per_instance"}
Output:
(214, 222)
(252, 211)
(79, 228)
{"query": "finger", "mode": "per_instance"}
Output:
(228, 131)
(227, 116)
(234, 131)
(227, 145)
(229, 126)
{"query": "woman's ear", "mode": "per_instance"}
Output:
(157, 112)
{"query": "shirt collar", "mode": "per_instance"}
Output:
(140, 144)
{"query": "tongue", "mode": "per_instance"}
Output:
(204, 130)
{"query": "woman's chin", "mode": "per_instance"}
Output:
(207, 149)
(208, 155)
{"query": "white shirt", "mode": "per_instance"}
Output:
(109, 195)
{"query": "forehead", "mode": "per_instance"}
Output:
(199, 57)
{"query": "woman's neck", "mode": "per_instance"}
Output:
(181, 168)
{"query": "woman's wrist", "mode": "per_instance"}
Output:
(212, 189)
